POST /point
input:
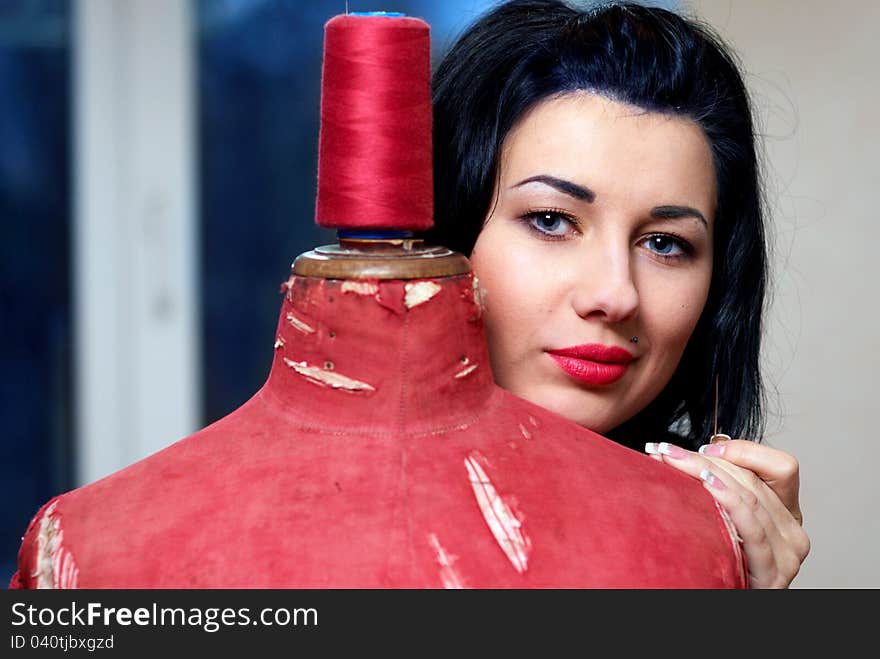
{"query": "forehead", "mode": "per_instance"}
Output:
(619, 151)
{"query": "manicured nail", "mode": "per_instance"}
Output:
(715, 450)
(672, 450)
(651, 449)
(712, 480)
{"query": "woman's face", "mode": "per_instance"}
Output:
(602, 231)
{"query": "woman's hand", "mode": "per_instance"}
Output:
(758, 486)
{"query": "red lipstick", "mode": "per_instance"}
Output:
(593, 363)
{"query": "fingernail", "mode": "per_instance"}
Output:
(712, 480)
(672, 450)
(651, 449)
(715, 450)
(719, 437)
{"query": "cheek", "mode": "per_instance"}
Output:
(670, 311)
(502, 292)
(515, 301)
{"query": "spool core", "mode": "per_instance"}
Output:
(383, 258)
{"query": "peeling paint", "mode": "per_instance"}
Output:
(333, 379)
(466, 371)
(448, 574)
(300, 325)
(525, 432)
(287, 287)
(479, 296)
(279, 343)
(55, 567)
(360, 287)
(499, 515)
(420, 292)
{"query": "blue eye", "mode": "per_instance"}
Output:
(549, 223)
(667, 246)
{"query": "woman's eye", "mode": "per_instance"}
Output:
(550, 223)
(668, 246)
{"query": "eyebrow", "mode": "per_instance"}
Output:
(565, 187)
(677, 212)
(585, 194)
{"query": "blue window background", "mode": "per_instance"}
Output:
(35, 288)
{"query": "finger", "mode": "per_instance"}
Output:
(783, 518)
(761, 538)
(687, 461)
(791, 545)
(780, 470)
(774, 544)
(693, 464)
(771, 464)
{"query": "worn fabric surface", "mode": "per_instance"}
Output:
(379, 454)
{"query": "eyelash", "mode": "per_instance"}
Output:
(533, 215)
(530, 216)
(686, 248)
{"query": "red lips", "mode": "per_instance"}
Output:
(593, 363)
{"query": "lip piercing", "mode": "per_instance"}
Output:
(635, 339)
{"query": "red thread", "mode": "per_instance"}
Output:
(374, 155)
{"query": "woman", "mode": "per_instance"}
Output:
(599, 168)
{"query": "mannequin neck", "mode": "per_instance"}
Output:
(381, 356)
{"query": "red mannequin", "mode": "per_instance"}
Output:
(380, 454)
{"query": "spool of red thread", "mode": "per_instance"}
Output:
(375, 157)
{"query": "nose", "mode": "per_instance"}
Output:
(605, 287)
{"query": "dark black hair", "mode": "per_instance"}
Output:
(525, 51)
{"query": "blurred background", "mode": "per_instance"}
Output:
(157, 179)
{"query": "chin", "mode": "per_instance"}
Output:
(589, 409)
